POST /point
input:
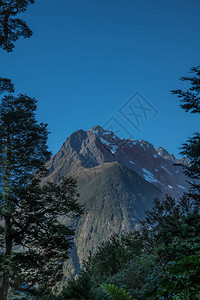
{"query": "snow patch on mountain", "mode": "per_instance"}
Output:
(104, 141)
(149, 176)
(166, 170)
(113, 148)
(182, 187)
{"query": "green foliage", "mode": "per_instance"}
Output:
(115, 293)
(175, 224)
(135, 276)
(182, 275)
(175, 227)
(11, 26)
(115, 261)
(14, 295)
(111, 256)
(81, 288)
(191, 149)
(162, 263)
(190, 100)
(108, 259)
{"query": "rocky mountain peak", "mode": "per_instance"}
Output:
(162, 152)
(105, 135)
(85, 150)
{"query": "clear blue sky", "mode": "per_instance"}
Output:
(86, 58)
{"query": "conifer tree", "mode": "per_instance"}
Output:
(33, 241)
(175, 223)
(190, 102)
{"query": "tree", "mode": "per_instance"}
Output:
(190, 102)
(33, 240)
(11, 27)
(6, 85)
(175, 224)
(190, 99)
(114, 293)
(114, 261)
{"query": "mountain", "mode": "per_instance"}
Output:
(117, 181)
(84, 150)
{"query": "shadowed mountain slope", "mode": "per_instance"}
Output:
(114, 198)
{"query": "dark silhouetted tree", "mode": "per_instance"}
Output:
(11, 27)
(175, 224)
(190, 99)
(6, 86)
(33, 241)
(190, 102)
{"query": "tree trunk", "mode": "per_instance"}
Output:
(6, 272)
(5, 286)
(8, 226)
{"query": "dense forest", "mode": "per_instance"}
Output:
(159, 260)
